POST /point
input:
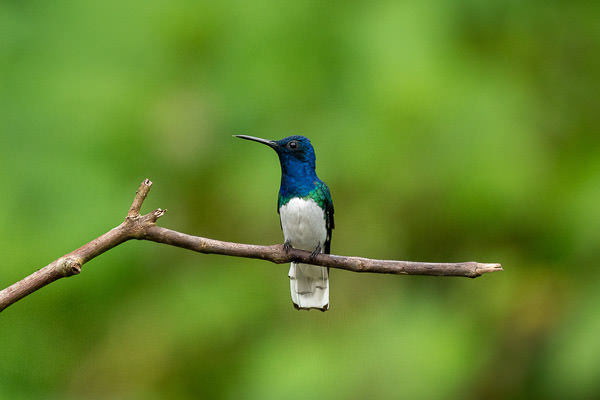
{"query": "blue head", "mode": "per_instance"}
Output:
(297, 159)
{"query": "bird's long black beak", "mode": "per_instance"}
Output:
(269, 143)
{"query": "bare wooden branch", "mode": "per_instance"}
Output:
(139, 198)
(278, 255)
(143, 227)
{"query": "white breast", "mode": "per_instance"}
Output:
(303, 224)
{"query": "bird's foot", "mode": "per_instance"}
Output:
(315, 252)
(287, 246)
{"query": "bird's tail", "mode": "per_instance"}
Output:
(309, 285)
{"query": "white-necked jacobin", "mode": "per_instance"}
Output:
(306, 213)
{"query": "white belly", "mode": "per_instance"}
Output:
(303, 224)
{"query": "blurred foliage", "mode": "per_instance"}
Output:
(447, 131)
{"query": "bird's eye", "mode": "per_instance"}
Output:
(293, 144)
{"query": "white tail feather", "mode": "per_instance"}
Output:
(309, 286)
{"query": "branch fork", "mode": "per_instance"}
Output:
(143, 227)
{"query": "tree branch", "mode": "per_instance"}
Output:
(143, 227)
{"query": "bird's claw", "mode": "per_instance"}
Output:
(287, 246)
(315, 252)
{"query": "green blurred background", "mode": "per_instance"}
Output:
(447, 131)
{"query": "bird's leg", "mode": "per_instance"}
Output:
(287, 245)
(316, 252)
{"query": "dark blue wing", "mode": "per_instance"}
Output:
(328, 207)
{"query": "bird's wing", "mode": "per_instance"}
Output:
(330, 224)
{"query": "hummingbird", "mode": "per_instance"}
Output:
(306, 215)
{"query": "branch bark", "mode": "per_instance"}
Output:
(143, 227)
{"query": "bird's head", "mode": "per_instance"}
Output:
(291, 150)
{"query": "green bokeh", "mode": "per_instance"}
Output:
(446, 131)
